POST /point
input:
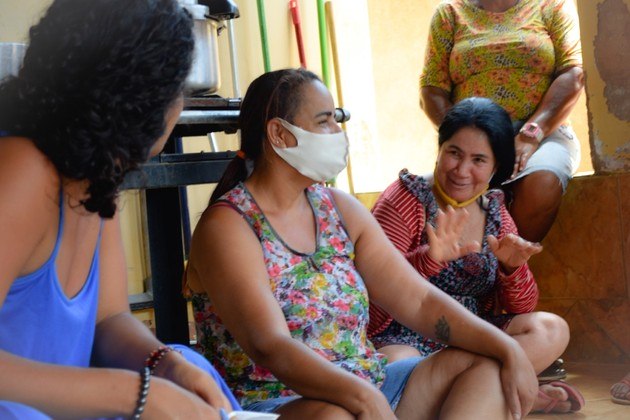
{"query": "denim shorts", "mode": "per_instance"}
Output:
(396, 377)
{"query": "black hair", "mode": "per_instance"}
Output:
(271, 95)
(493, 120)
(97, 80)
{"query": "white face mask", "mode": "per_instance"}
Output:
(319, 157)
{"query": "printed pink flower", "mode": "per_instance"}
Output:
(294, 325)
(295, 259)
(351, 279)
(312, 312)
(274, 270)
(261, 373)
(349, 322)
(296, 297)
(341, 305)
(336, 243)
(327, 267)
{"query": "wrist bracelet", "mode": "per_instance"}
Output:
(145, 382)
(154, 358)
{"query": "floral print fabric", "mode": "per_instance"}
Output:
(322, 296)
(509, 57)
(471, 279)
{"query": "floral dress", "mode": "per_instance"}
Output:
(510, 57)
(471, 279)
(322, 296)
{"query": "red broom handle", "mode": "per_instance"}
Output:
(295, 15)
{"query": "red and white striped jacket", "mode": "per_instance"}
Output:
(402, 217)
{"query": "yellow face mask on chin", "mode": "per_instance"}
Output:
(451, 201)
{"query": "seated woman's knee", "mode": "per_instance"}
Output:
(555, 327)
(543, 187)
(332, 412)
(314, 409)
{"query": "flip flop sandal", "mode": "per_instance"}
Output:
(623, 401)
(575, 397)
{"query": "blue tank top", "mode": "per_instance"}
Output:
(39, 322)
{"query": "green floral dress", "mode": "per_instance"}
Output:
(510, 57)
(322, 296)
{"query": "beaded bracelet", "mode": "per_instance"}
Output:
(145, 382)
(154, 358)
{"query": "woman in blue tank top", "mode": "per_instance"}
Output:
(99, 92)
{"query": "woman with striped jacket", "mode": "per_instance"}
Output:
(485, 267)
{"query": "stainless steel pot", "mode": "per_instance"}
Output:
(204, 76)
(11, 56)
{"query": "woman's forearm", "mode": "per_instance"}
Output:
(442, 318)
(122, 341)
(559, 100)
(435, 102)
(518, 292)
(63, 392)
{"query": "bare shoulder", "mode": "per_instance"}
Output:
(349, 205)
(355, 215)
(23, 167)
(221, 230)
(224, 247)
(29, 211)
(221, 219)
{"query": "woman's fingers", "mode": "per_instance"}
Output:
(493, 242)
(471, 247)
(445, 238)
(513, 250)
(523, 161)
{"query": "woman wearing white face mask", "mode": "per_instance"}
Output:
(280, 269)
(485, 266)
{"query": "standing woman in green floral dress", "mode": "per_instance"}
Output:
(526, 56)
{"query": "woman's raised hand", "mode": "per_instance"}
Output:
(445, 240)
(512, 251)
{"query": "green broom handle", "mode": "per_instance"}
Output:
(263, 34)
(323, 41)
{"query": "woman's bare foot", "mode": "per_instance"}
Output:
(547, 395)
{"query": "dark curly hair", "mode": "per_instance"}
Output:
(271, 95)
(97, 80)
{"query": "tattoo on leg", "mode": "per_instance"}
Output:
(442, 330)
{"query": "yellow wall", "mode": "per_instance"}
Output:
(605, 32)
(16, 16)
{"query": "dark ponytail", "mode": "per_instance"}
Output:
(274, 94)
